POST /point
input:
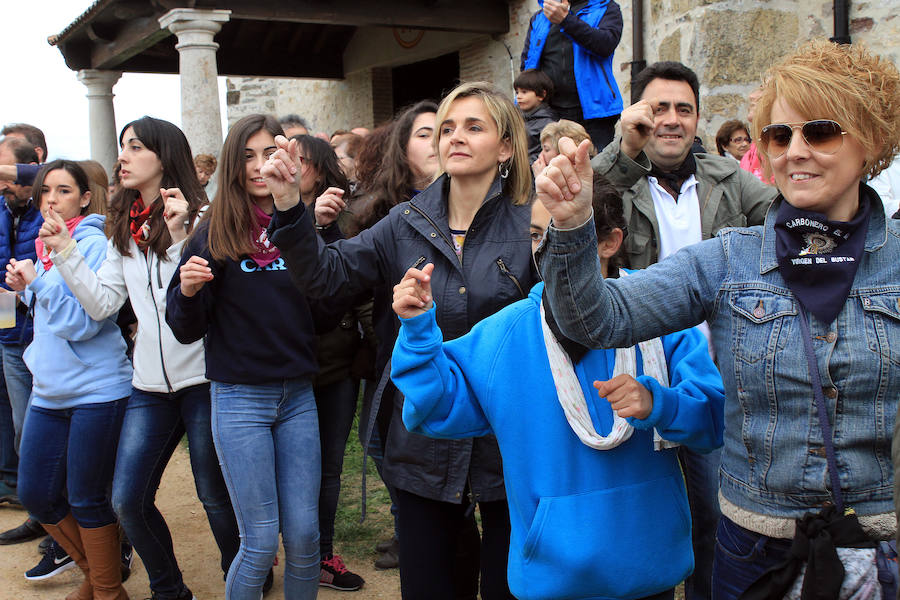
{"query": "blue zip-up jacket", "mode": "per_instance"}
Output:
(585, 522)
(74, 360)
(18, 244)
(597, 88)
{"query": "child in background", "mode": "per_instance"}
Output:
(584, 506)
(550, 136)
(533, 91)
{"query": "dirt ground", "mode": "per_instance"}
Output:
(194, 547)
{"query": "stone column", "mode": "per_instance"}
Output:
(102, 116)
(200, 116)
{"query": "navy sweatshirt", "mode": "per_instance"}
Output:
(259, 327)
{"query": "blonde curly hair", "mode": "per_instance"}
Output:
(845, 83)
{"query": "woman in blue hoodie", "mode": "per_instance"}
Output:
(82, 380)
(587, 509)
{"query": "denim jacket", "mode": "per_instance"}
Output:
(773, 461)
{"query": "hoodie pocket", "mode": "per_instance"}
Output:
(606, 543)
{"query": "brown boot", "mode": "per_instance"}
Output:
(68, 536)
(101, 546)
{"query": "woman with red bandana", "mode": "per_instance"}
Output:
(151, 214)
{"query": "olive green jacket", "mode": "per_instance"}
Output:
(728, 195)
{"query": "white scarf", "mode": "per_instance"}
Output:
(571, 397)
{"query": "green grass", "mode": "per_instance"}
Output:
(352, 538)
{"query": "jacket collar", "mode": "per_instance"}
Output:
(715, 167)
(876, 236)
(433, 200)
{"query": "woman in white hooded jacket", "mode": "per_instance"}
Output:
(150, 217)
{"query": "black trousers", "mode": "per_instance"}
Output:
(431, 565)
(602, 131)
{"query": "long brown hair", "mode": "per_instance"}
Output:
(171, 146)
(230, 217)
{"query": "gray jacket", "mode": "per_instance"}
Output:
(729, 197)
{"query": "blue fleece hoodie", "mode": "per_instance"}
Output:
(585, 523)
(74, 359)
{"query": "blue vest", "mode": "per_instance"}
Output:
(597, 89)
(18, 244)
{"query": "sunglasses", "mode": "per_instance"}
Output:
(822, 135)
(740, 140)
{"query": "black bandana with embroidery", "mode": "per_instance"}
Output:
(673, 180)
(818, 258)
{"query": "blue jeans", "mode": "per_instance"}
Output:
(741, 557)
(701, 475)
(70, 452)
(336, 405)
(154, 424)
(267, 439)
(14, 393)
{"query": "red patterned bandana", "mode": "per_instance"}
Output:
(140, 229)
(71, 224)
(266, 252)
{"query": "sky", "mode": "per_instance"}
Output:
(41, 90)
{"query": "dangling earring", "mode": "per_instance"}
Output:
(503, 169)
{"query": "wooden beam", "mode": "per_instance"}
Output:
(133, 38)
(477, 16)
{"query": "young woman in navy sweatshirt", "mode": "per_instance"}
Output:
(233, 288)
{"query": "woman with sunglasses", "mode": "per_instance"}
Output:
(812, 295)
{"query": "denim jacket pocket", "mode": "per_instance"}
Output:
(759, 327)
(883, 325)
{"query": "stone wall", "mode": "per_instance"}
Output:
(729, 43)
(326, 104)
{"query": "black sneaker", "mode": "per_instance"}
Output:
(27, 531)
(128, 560)
(54, 562)
(184, 595)
(335, 575)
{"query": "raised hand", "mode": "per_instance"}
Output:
(555, 11)
(412, 296)
(566, 184)
(194, 275)
(281, 172)
(637, 126)
(19, 273)
(329, 205)
(626, 396)
(54, 232)
(538, 165)
(175, 212)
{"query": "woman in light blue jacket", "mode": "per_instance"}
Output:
(804, 313)
(82, 380)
